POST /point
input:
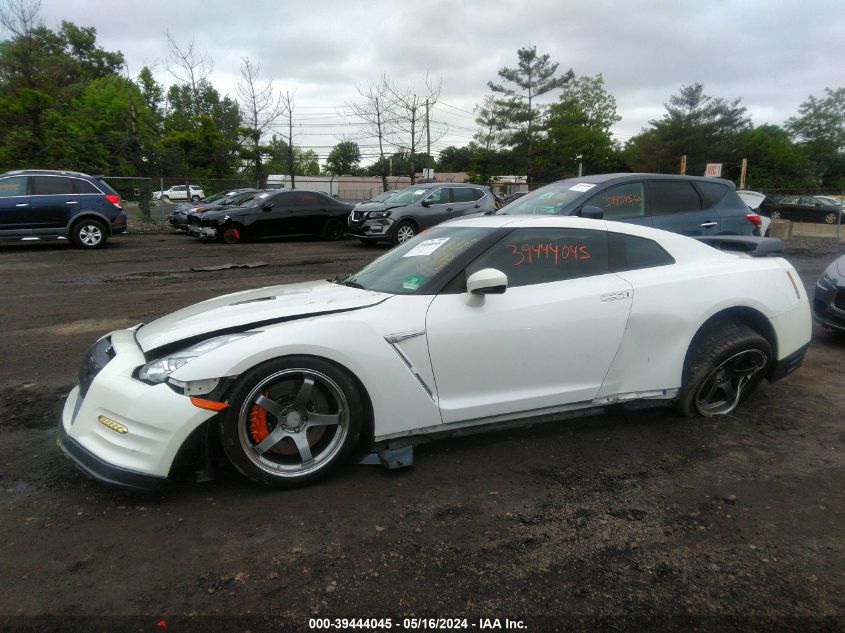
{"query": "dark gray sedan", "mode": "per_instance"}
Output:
(179, 216)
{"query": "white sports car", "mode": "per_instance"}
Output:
(476, 322)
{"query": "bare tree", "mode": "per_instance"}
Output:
(189, 66)
(259, 109)
(20, 17)
(287, 105)
(411, 121)
(376, 115)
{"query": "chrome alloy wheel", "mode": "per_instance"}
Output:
(405, 233)
(90, 234)
(293, 422)
(722, 390)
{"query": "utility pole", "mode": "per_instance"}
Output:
(742, 173)
(683, 165)
(427, 136)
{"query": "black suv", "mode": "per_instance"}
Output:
(37, 204)
(689, 205)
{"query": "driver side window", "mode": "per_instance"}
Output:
(438, 196)
(542, 255)
(622, 201)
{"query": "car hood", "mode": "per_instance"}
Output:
(840, 265)
(252, 308)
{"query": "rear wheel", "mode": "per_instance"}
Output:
(830, 218)
(728, 363)
(333, 230)
(89, 234)
(776, 215)
(194, 198)
(292, 421)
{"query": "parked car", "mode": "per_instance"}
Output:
(416, 209)
(41, 204)
(179, 216)
(274, 213)
(688, 205)
(179, 192)
(753, 200)
(478, 322)
(829, 296)
(807, 208)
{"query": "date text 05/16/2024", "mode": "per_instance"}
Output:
(416, 624)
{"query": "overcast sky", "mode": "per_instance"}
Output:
(771, 53)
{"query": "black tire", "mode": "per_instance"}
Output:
(89, 233)
(776, 215)
(333, 230)
(728, 361)
(260, 442)
(194, 198)
(403, 232)
(830, 218)
(233, 234)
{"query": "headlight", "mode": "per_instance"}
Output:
(158, 370)
(375, 215)
(827, 282)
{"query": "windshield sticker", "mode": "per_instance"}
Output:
(581, 186)
(426, 247)
(263, 195)
(419, 192)
(412, 282)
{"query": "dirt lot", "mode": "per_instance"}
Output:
(621, 521)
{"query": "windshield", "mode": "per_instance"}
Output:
(827, 202)
(382, 196)
(239, 198)
(215, 197)
(409, 195)
(406, 268)
(259, 198)
(547, 200)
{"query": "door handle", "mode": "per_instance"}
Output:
(478, 206)
(708, 224)
(449, 208)
(71, 203)
(615, 296)
(22, 204)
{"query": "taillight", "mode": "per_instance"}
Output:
(114, 199)
(755, 219)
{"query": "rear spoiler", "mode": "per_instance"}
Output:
(746, 244)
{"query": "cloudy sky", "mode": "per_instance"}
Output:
(772, 53)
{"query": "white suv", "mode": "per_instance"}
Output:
(179, 192)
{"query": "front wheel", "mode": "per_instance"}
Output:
(403, 232)
(332, 230)
(292, 421)
(233, 235)
(89, 234)
(830, 218)
(195, 198)
(729, 361)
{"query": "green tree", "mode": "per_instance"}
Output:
(306, 162)
(774, 161)
(344, 158)
(578, 132)
(819, 128)
(454, 159)
(520, 112)
(702, 127)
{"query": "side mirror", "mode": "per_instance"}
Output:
(425, 203)
(487, 281)
(266, 206)
(592, 212)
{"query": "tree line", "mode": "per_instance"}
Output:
(66, 103)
